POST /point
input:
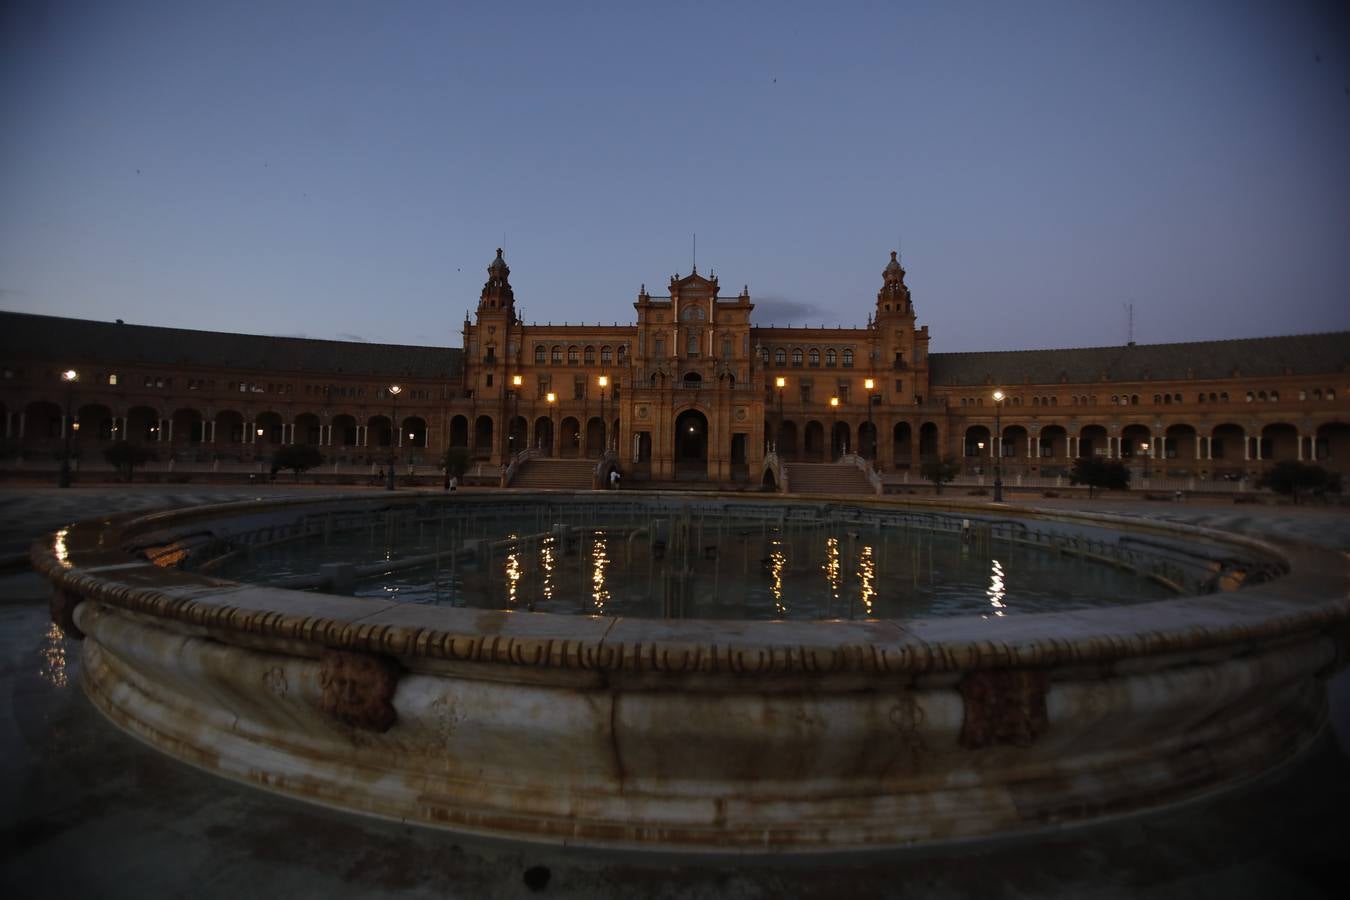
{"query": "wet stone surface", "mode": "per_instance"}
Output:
(90, 811)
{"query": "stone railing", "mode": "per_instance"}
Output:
(862, 464)
(520, 459)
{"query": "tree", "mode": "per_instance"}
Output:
(1095, 472)
(939, 470)
(126, 457)
(455, 462)
(297, 457)
(1292, 478)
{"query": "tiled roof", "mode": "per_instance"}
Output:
(84, 341)
(1299, 354)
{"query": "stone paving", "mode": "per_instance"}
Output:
(88, 811)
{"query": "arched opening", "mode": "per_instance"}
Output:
(1227, 444)
(813, 443)
(459, 432)
(1092, 441)
(267, 428)
(691, 444)
(867, 440)
(344, 431)
(482, 437)
(840, 440)
(308, 430)
(770, 483)
(42, 421)
(95, 423)
(929, 443)
(379, 433)
(543, 435)
(518, 436)
(1135, 442)
(1014, 443)
(977, 442)
(1331, 446)
(230, 427)
(1279, 442)
(414, 431)
(902, 444)
(1179, 444)
(187, 427)
(787, 440)
(142, 424)
(570, 432)
(692, 380)
(1053, 443)
(595, 436)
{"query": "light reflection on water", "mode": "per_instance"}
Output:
(778, 561)
(513, 573)
(743, 571)
(54, 657)
(867, 574)
(997, 590)
(599, 562)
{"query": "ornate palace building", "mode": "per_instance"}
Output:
(692, 390)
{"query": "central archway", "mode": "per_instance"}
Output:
(691, 444)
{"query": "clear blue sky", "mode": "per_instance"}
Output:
(347, 170)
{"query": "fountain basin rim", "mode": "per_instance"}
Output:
(87, 562)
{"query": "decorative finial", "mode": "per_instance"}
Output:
(892, 255)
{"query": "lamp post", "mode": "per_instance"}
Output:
(780, 382)
(394, 391)
(552, 398)
(1143, 448)
(869, 384)
(834, 423)
(998, 447)
(516, 382)
(69, 376)
(603, 381)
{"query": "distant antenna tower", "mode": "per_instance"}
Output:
(1129, 324)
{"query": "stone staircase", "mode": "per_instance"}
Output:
(827, 478)
(555, 474)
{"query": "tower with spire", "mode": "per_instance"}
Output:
(900, 348)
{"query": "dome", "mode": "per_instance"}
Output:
(498, 264)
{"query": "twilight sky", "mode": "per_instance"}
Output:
(347, 170)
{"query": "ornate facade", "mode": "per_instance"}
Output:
(693, 389)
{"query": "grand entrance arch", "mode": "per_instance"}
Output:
(691, 444)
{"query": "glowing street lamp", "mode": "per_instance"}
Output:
(516, 382)
(780, 382)
(69, 376)
(998, 444)
(552, 398)
(394, 391)
(834, 423)
(603, 381)
(870, 384)
(1143, 448)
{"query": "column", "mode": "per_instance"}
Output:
(1030, 445)
(1198, 440)
(250, 432)
(122, 428)
(1246, 448)
(1300, 448)
(1257, 440)
(1209, 447)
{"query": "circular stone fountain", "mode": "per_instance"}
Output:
(697, 734)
